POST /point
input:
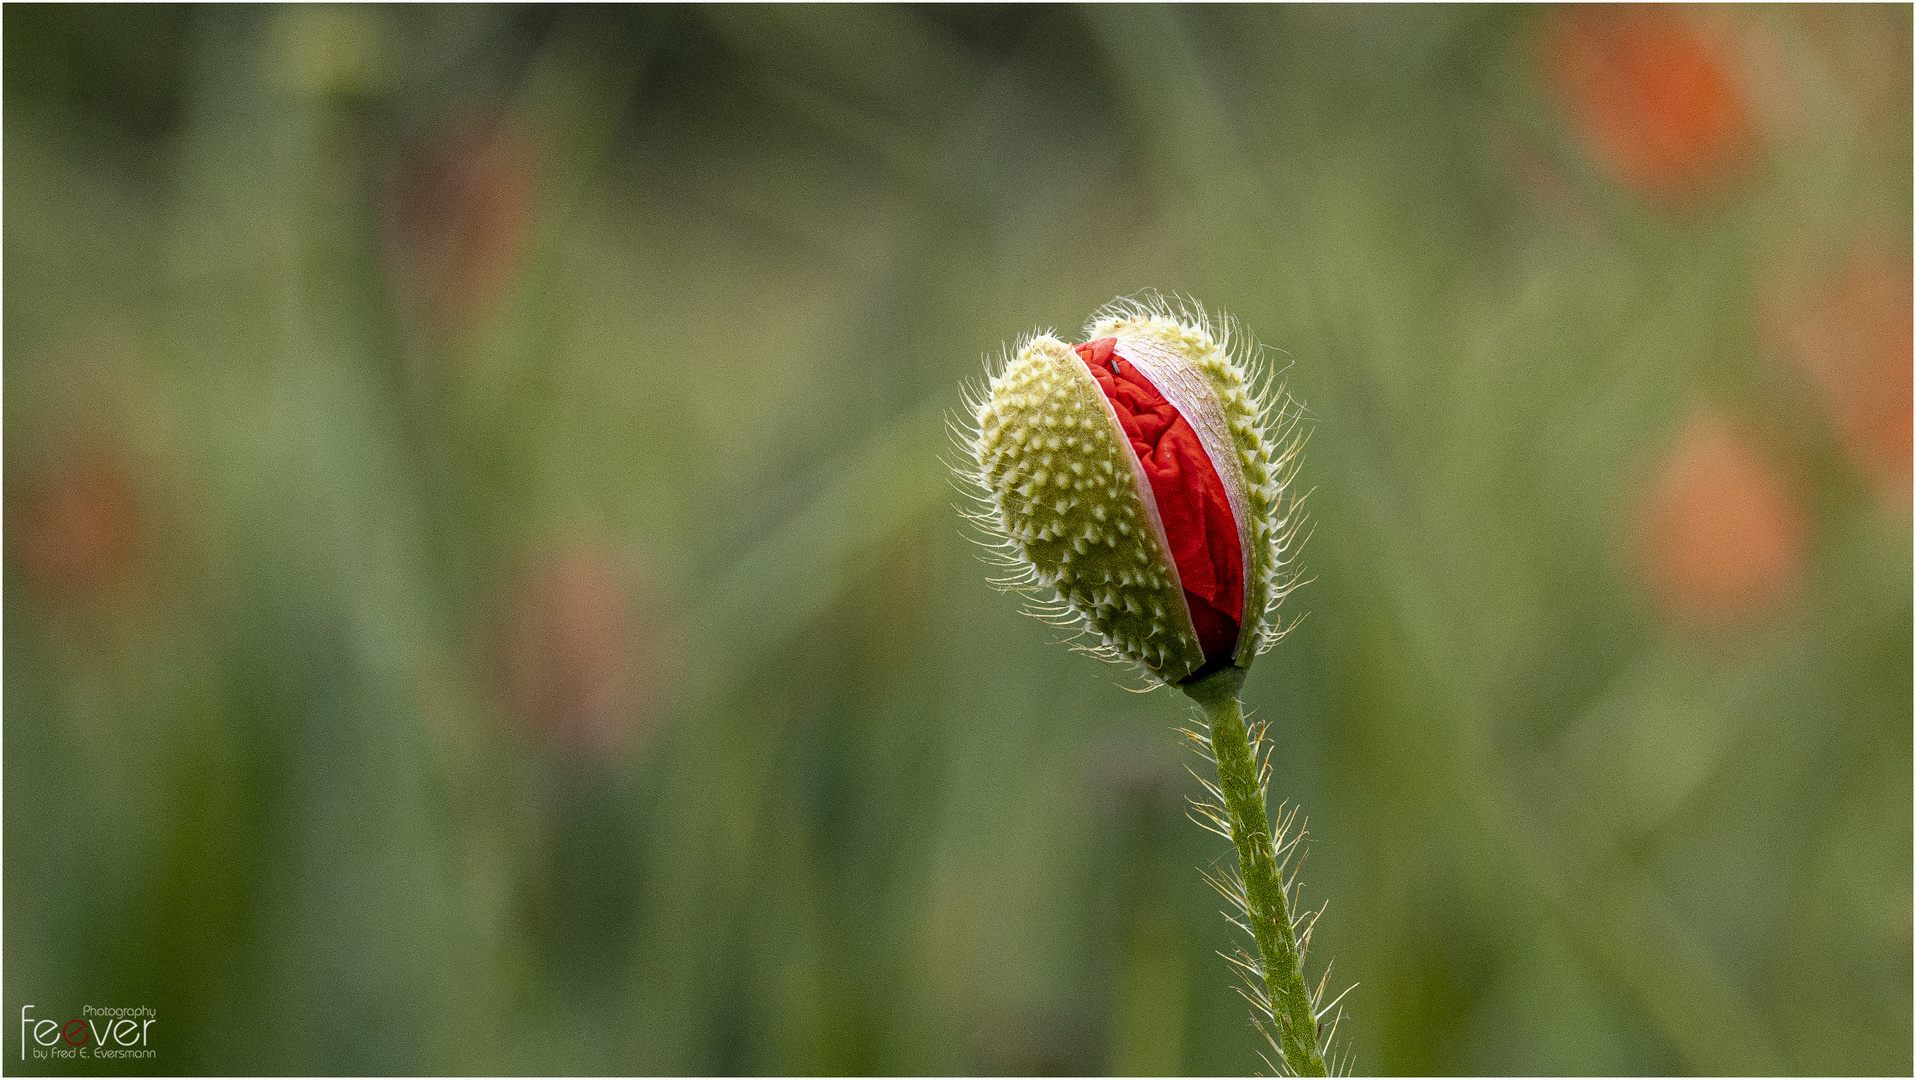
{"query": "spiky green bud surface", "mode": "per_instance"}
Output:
(1067, 498)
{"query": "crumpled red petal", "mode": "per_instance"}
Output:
(1191, 501)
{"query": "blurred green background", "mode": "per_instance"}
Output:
(482, 592)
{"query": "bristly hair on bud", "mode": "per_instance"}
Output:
(1138, 488)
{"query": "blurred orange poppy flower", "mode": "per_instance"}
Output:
(1653, 98)
(1718, 531)
(1853, 339)
(81, 529)
(458, 221)
(578, 663)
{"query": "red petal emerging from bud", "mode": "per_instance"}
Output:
(1190, 497)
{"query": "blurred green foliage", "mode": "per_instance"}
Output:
(482, 593)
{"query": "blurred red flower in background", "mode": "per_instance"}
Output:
(1718, 531)
(1654, 99)
(80, 531)
(578, 663)
(1853, 339)
(458, 219)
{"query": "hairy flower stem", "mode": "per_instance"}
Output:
(1269, 911)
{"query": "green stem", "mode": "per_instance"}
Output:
(1269, 912)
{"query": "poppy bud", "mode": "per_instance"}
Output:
(1143, 477)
